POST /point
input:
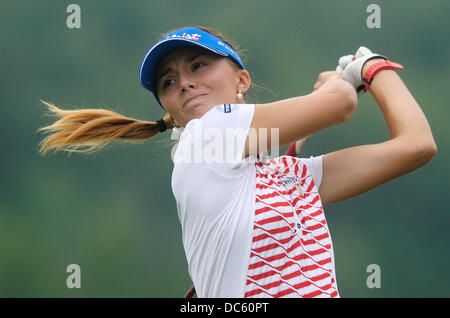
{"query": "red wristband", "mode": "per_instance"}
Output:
(377, 67)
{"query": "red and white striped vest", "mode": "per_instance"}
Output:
(291, 252)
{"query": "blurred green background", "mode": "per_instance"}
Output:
(113, 212)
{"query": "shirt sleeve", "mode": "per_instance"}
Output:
(315, 165)
(218, 138)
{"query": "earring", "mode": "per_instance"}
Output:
(239, 95)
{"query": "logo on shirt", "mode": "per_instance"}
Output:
(225, 108)
(289, 181)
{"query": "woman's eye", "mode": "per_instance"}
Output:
(197, 65)
(167, 83)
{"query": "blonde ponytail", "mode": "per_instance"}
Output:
(89, 130)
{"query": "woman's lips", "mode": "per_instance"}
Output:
(192, 99)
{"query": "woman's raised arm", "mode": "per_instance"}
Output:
(334, 101)
(352, 171)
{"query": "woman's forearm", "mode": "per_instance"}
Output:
(404, 117)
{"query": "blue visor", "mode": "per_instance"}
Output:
(182, 37)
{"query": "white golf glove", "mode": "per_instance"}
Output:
(343, 62)
(350, 66)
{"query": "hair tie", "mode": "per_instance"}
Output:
(162, 125)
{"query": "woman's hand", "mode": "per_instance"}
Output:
(353, 70)
(327, 76)
(336, 83)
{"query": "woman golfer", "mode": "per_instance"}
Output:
(252, 227)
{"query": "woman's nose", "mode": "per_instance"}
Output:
(186, 82)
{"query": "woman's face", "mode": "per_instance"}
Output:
(192, 80)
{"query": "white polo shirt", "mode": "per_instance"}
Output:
(249, 228)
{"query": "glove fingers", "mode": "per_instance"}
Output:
(345, 60)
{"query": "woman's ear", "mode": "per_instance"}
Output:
(244, 81)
